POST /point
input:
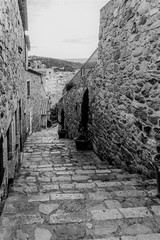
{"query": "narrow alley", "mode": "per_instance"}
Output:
(65, 194)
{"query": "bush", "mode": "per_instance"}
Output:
(69, 86)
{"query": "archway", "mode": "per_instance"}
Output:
(85, 111)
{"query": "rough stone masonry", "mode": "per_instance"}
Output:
(124, 89)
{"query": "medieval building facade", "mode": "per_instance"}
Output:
(21, 90)
(122, 92)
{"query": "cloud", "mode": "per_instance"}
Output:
(76, 41)
(40, 4)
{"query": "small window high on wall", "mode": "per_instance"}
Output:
(1, 161)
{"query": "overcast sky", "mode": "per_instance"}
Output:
(64, 28)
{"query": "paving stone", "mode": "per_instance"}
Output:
(68, 218)
(64, 173)
(20, 235)
(39, 198)
(89, 225)
(153, 236)
(156, 210)
(99, 196)
(130, 193)
(105, 228)
(34, 174)
(107, 184)
(65, 196)
(135, 212)
(130, 183)
(67, 164)
(73, 206)
(33, 166)
(136, 229)
(84, 172)
(29, 219)
(49, 187)
(45, 166)
(48, 208)
(64, 178)
(43, 169)
(66, 185)
(42, 234)
(152, 193)
(48, 174)
(116, 170)
(80, 178)
(85, 185)
(103, 171)
(92, 207)
(9, 208)
(30, 179)
(59, 168)
(44, 179)
(108, 214)
(113, 204)
(107, 238)
(89, 167)
(26, 189)
(69, 231)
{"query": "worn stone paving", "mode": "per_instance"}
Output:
(64, 194)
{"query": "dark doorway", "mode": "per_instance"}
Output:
(1, 161)
(84, 111)
(62, 119)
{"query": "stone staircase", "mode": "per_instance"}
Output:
(64, 194)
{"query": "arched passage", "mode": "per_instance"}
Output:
(84, 111)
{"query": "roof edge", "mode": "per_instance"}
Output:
(34, 72)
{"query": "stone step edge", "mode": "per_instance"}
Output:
(152, 236)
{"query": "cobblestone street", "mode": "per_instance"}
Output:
(64, 194)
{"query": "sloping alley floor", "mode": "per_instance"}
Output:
(64, 194)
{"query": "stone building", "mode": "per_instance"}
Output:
(13, 64)
(122, 93)
(35, 97)
(73, 95)
(45, 112)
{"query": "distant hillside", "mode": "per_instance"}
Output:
(77, 60)
(53, 62)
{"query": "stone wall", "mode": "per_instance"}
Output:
(124, 90)
(12, 85)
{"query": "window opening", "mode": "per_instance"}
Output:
(28, 89)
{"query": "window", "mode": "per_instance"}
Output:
(1, 161)
(20, 50)
(28, 89)
(82, 72)
(9, 142)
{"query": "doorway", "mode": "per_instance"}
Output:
(62, 119)
(1, 161)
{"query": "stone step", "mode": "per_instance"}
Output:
(152, 236)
